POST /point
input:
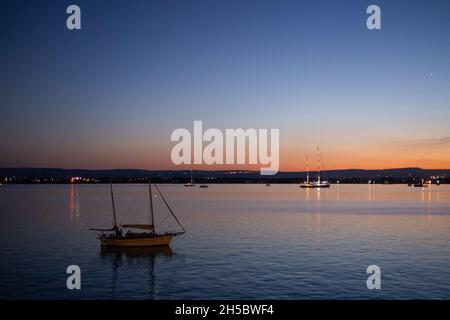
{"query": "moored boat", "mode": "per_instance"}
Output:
(116, 237)
(319, 183)
(423, 183)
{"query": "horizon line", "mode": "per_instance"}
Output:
(216, 170)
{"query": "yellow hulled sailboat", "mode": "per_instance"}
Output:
(145, 237)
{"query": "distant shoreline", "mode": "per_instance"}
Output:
(210, 183)
(346, 176)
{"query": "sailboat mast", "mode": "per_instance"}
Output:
(114, 210)
(152, 218)
(307, 169)
(318, 163)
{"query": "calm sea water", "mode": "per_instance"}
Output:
(242, 242)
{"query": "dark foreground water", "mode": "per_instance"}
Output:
(242, 242)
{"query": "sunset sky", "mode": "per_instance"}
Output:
(110, 95)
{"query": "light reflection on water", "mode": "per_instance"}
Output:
(242, 241)
(74, 209)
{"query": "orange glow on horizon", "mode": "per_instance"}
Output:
(347, 155)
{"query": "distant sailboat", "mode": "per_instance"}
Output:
(319, 183)
(191, 182)
(114, 236)
(423, 183)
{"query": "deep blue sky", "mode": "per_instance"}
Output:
(109, 95)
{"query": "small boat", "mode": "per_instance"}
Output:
(116, 237)
(267, 184)
(423, 184)
(419, 185)
(191, 182)
(203, 186)
(318, 183)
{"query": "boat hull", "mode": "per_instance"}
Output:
(315, 187)
(158, 240)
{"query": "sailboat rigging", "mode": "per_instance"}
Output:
(319, 183)
(115, 236)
